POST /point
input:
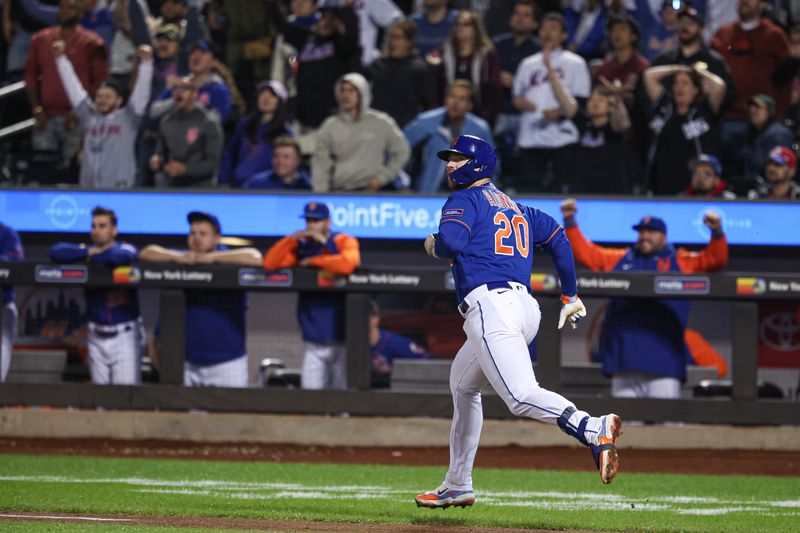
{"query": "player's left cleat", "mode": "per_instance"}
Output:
(442, 498)
(605, 451)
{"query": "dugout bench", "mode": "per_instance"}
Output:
(743, 290)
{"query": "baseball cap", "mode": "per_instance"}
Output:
(763, 100)
(693, 14)
(202, 216)
(783, 156)
(708, 159)
(170, 31)
(277, 88)
(204, 45)
(114, 85)
(653, 223)
(316, 210)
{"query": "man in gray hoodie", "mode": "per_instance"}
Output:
(358, 148)
(189, 142)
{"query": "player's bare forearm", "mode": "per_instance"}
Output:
(242, 256)
(158, 254)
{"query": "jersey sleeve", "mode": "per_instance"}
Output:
(714, 257)
(580, 82)
(64, 252)
(455, 226)
(282, 254)
(590, 255)
(548, 235)
(345, 262)
(11, 246)
(122, 254)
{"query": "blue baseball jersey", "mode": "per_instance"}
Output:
(391, 346)
(103, 306)
(489, 237)
(10, 250)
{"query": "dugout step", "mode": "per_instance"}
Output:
(411, 375)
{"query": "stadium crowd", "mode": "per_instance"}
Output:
(673, 97)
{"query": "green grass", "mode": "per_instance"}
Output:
(351, 493)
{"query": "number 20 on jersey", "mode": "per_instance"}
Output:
(512, 235)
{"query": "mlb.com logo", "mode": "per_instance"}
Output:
(61, 274)
(670, 285)
(749, 286)
(127, 275)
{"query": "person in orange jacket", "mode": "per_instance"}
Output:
(321, 315)
(642, 344)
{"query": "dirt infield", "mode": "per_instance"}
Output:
(772, 463)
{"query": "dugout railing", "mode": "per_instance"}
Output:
(743, 290)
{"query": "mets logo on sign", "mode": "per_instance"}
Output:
(543, 282)
(255, 277)
(670, 285)
(61, 274)
(127, 275)
(64, 211)
(751, 286)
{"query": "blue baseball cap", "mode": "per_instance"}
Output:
(653, 223)
(202, 216)
(708, 159)
(316, 210)
(204, 45)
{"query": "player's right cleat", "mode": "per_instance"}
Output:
(442, 498)
(605, 451)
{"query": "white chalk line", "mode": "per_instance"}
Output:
(79, 518)
(545, 500)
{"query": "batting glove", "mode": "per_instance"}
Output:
(430, 245)
(572, 308)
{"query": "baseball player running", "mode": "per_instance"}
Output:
(489, 239)
(10, 250)
(115, 332)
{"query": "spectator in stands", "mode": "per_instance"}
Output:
(304, 14)
(167, 43)
(659, 31)
(96, 16)
(754, 48)
(251, 28)
(358, 148)
(250, 148)
(189, 142)
(212, 91)
(373, 17)
(433, 130)
(757, 52)
(512, 48)
(470, 55)
(181, 13)
(684, 123)
(326, 53)
(109, 129)
(402, 82)
(586, 26)
(56, 128)
(548, 88)
(18, 28)
(122, 52)
(779, 176)
(765, 133)
(321, 315)
(606, 162)
(115, 331)
(386, 346)
(216, 331)
(10, 250)
(434, 23)
(692, 51)
(642, 344)
(625, 63)
(286, 172)
(707, 179)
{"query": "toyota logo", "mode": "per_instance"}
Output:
(780, 332)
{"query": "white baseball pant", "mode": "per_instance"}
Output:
(500, 324)
(115, 353)
(644, 385)
(324, 366)
(9, 336)
(231, 374)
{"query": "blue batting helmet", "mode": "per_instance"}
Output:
(482, 159)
